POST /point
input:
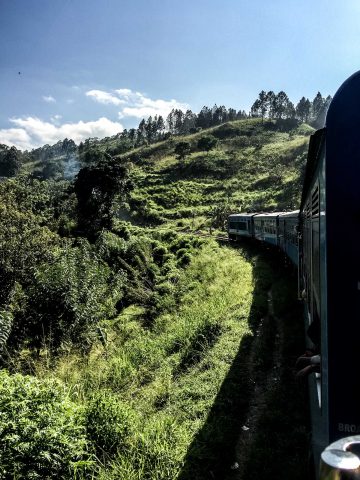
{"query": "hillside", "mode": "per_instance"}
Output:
(140, 341)
(254, 166)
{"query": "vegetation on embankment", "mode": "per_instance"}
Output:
(254, 166)
(135, 332)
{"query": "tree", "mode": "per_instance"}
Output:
(132, 136)
(271, 101)
(170, 121)
(96, 188)
(255, 108)
(319, 110)
(189, 121)
(317, 105)
(241, 114)
(182, 149)
(10, 162)
(303, 109)
(204, 118)
(219, 115)
(149, 129)
(261, 106)
(207, 143)
(281, 105)
(231, 114)
(160, 125)
(141, 132)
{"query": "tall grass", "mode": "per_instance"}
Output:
(167, 376)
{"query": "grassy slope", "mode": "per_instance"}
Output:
(187, 381)
(172, 374)
(254, 167)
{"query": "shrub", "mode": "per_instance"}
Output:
(207, 143)
(41, 430)
(109, 423)
(184, 260)
(159, 254)
(227, 130)
(68, 298)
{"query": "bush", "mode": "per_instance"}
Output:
(227, 130)
(41, 430)
(159, 254)
(109, 423)
(68, 298)
(184, 260)
(207, 143)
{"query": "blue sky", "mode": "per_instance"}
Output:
(93, 67)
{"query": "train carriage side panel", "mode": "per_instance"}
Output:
(331, 263)
(288, 235)
(271, 226)
(258, 227)
(343, 259)
(240, 225)
(314, 283)
(266, 227)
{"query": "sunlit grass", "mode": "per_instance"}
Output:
(169, 375)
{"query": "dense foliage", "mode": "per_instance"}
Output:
(41, 430)
(110, 284)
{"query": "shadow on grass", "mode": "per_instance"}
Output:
(279, 445)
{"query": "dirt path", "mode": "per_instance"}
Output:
(262, 384)
(273, 441)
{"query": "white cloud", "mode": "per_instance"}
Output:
(104, 97)
(55, 118)
(123, 91)
(32, 132)
(48, 99)
(15, 136)
(136, 104)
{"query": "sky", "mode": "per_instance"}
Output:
(90, 68)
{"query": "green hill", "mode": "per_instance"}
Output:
(255, 166)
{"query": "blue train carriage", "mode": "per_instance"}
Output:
(330, 267)
(240, 225)
(266, 226)
(289, 235)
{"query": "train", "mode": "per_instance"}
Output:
(322, 239)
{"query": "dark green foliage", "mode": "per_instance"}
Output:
(140, 259)
(41, 430)
(213, 165)
(109, 423)
(10, 162)
(14, 303)
(207, 143)
(96, 188)
(160, 254)
(182, 149)
(227, 130)
(68, 298)
(49, 170)
(24, 243)
(303, 109)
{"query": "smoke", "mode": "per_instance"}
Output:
(72, 166)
